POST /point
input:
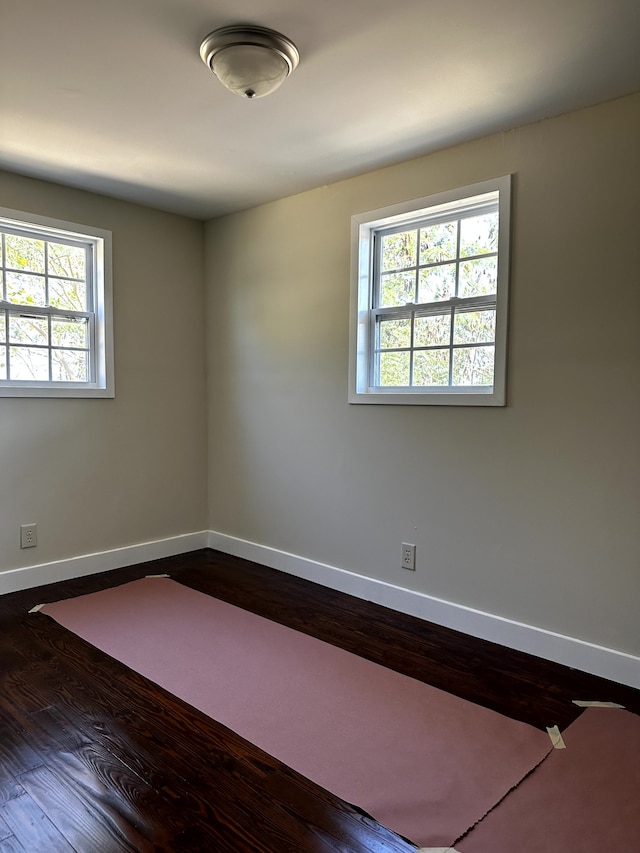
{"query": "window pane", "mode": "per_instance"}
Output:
(67, 261)
(437, 283)
(3, 327)
(24, 253)
(474, 327)
(438, 243)
(68, 333)
(478, 277)
(397, 289)
(473, 366)
(394, 368)
(68, 294)
(432, 331)
(479, 235)
(399, 250)
(3, 362)
(27, 363)
(394, 333)
(28, 330)
(69, 366)
(431, 367)
(24, 289)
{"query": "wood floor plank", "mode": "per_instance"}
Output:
(5, 832)
(99, 758)
(18, 751)
(32, 828)
(9, 789)
(229, 771)
(72, 750)
(82, 811)
(12, 845)
(216, 762)
(16, 755)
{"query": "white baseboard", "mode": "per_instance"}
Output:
(90, 564)
(578, 654)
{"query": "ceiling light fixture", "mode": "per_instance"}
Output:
(250, 61)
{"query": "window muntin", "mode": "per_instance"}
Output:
(429, 299)
(55, 336)
(434, 302)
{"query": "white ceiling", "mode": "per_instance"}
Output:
(112, 96)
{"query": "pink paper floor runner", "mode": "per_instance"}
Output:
(585, 798)
(421, 761)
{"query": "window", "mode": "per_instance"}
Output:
(55, 308)
(429, 299)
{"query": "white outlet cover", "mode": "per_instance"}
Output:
(28, 535)
(408, 556)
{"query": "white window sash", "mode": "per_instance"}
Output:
(98, 314)
(367, 231)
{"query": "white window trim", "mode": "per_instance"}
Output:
(102, 283)
(363, 227)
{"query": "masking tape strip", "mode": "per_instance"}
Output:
(436, 850)
(157, 576)
(584, 704)
(556, 737)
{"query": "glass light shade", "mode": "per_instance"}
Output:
(250, 61)
(251, 71)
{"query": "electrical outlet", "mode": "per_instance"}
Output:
(28, 535)
(408, 556)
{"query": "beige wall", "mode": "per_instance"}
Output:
(99, 474)
(528, 511)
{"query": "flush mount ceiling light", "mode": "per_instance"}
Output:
(250, 61)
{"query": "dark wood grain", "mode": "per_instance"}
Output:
(5, 831)
(12, 845)
(93, 757)
(30, 827)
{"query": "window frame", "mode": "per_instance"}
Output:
(99, 313)
(365, 229)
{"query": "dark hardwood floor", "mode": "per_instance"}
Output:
(94, 758)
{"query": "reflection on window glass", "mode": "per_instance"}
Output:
(437, 283)
(29, 364)
(431, 367)
(68, 333)
(67, 294)
(399, 250)
(29, 330)
(26, 289)
(397, 289)
(24, 253)
(474, 327)
(479, 235)
(395, 333)
(432, 331)
(473, 366)
(394, 368)
(438, 242)
(478, 277)
(67, 261)
(69, 366)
